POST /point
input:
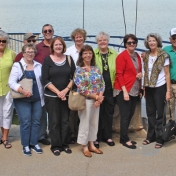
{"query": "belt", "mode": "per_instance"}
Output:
(173, 82)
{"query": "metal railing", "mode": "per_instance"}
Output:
(16, 41)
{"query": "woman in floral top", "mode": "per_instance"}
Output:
(89, 83)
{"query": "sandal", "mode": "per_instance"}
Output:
(7, 144)
(56, 152)
(146, 142)
(158, 145)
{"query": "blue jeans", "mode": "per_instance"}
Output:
(29, 114)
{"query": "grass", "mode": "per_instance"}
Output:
(15, 118)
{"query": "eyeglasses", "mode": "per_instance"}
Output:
(29, 53)
(174, 38)
(49, 31)
(29, 41)
(129, 43)
(3, 41)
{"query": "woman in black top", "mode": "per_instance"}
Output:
(57, 73)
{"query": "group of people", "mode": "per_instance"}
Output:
(104, 77)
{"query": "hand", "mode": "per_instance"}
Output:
(139, 76)
(167, 95)
(26, 93)
(126, 96)
(62, 94)
(96, 104)
(100, 98)
(143, 55)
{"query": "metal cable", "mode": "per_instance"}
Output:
(124, 16)
(136, 15)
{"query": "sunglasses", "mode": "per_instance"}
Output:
(130, 43)
(3, 41)
(49, 31)
(174, 38)
(29, 41)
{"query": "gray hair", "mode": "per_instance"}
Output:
(157, 38)
(102, 34)
(29, 45)
(4, 35)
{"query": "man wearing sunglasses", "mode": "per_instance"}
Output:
(44, 45)
(29, 38)
(171, 50)
(44, 48)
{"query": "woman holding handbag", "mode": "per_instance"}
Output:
(7, 57)
(157, 87)
(29, 108)
(57, 74)
(89, 83)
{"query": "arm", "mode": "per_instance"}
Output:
(120, 69)
(14, 77)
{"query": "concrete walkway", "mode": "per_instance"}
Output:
(116, 161)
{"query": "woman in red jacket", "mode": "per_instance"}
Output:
(127, 86)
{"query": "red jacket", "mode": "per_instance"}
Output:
(125, 71)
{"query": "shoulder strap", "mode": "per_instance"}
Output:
(24, 75)
(69, 60)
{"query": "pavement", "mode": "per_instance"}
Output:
(115, 161)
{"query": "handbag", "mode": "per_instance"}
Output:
(76, 101)
(25, 83)
(170, 128)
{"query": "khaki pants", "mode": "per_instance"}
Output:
(88, 126)
(6, 112)
(172, 102)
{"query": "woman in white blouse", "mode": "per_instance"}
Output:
(157, 87)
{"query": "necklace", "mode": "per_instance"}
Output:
(105, 60)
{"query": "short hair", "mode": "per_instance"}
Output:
(5, 36)
(102, 34)
(80, 31)
(61, 40)
(29, 45)
(80, 59)
(127, 36)
(157, 38)
(47, 25)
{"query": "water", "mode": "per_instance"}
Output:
(66, 15)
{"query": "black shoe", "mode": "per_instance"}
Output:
(44, 141)
(67, 150)
(129, 146)
(96, 144)
(112, 143)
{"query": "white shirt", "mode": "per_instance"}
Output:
(161, 77)
(16, 73)
(73, 52)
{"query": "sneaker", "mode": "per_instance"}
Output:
(26, 150)
(37, 149)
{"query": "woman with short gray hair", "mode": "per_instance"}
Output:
(157, 87)
(7, 57)
(105, 60)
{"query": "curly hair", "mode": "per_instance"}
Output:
(78, 31)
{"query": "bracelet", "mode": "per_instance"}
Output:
(21, 90)
(68, 88)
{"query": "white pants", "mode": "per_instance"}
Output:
(88, 126)
(6, 112)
